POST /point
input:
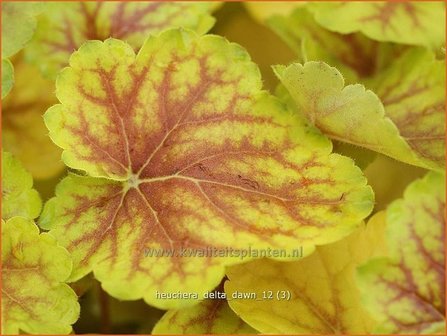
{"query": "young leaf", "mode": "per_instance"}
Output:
(413, 93)
(210, 316)
(66, 26)
(349, 114)
(184, 151)
(415, 23)
(18, 197)
(34, 298)
(323, 298)
(23, 131)
(7, 77)
(406, 291)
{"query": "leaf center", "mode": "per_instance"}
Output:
(133, 181)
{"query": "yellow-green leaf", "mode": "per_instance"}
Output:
(361, 156)
(262, 11)
(406, 290)
(409, 22)
(315, 295)
(212, 316)
(18, 25)
(353, 54)
(183, 150)
(349, 113)
(412, 90)
(64, 27)
(23, 130)
(34, 298)
(7, 77)
(18, 196)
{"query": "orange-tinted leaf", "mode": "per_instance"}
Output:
(184, 151)
(405, 291)
(355, 55)
(408, 22)
(412, 90)
(65, 26)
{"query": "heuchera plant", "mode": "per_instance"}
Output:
(164, 141)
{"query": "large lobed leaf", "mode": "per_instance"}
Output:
(182, 149)
(412, 22)
(323, 296)
(64, 27)
(355, 115)
(18, 196)
(34, 298)
(406, 291)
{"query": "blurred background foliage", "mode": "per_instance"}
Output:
(25, 135)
